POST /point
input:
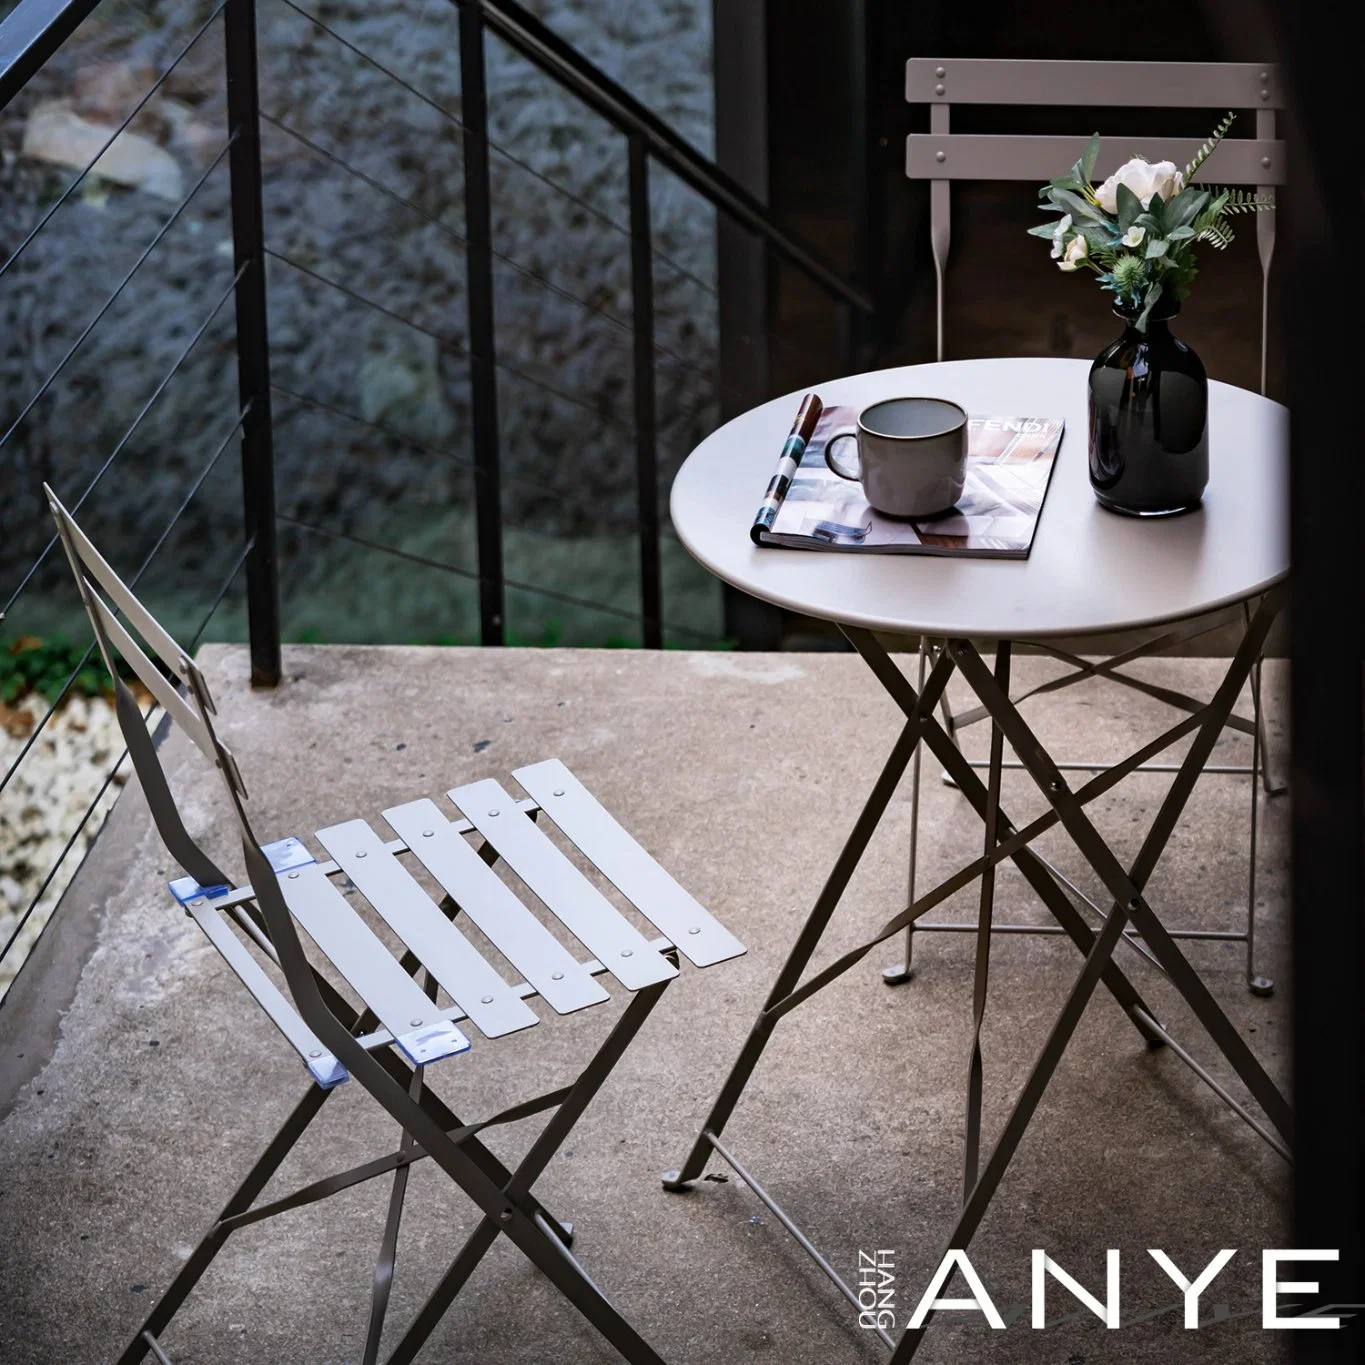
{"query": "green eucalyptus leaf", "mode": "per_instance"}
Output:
(1078, 207)
(1185, 208)
(1089, 157)
(1098, 236)
(1181, 233)
(1129, 207)
(1156, 246)
(1156, 207)
(1153, 294)
(1043, 230)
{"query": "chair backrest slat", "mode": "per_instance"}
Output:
(1011, 156)
(1136, 85)
(119, 593)
(153, 679)
(941, 156)
(93, 572)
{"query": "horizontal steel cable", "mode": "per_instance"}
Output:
(444, 342)
(132, 583)
(392, 432)
(118, 763)
(124, 439)
(123, 284)
(530, 170)
(137, 109)
(595, 310)
(473, 575)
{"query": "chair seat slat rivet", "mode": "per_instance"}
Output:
(487, 999)
(417, 1023)
(198, 900)
(492, 812)
(293, 876)
(316, 1052)
(556, 976)
(427, 833)
(559, 791)
(627, 952)
(360, 853)
(695, 929)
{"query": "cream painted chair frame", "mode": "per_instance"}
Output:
(401, 1027)
(941, 156)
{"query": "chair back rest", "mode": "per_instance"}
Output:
(941, 156)
(94, 576)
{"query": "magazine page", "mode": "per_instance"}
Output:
(1009, 466)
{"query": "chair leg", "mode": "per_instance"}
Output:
(388, 1246)
(576, 1286)
(247, 1192)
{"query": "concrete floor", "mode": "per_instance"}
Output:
(140, 1081)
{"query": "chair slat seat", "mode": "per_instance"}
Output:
(399, 989)
(559, 978)
(361, 957)
(696, 933)
(564, 890)
(325, 1068)
(451, 958)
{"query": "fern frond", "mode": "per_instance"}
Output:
(1203, 154)
(1246, 201)
(1217, 234)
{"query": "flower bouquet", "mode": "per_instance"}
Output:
(1139, 229)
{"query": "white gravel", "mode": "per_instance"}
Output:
(43, 805)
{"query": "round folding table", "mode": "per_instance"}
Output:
(1089, 571)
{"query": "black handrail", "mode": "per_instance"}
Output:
(30, 33)
(547, 50)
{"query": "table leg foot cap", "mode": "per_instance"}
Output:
(1261, 985)
(897, 976)
(673, 1181)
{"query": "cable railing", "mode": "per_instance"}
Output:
(263, 262)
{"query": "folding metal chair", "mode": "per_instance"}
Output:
(941, 156)
(403, 1027)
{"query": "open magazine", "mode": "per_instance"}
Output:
(1009, 465)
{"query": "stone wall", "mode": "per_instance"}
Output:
(381, 94)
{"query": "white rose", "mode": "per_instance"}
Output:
(1145, 179)
(1076, 252)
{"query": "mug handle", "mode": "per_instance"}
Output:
(846, 433)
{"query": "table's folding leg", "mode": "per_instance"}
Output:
(981, 975)
(1034, 870)
(809, 938)
(899, 974)
(1127, 887)
(1127, 891)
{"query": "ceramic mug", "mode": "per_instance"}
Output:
(912, 455)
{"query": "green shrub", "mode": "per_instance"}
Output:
(29, 664)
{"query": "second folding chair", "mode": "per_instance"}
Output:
(402, 1027)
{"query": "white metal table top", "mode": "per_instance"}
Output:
(1089, 571)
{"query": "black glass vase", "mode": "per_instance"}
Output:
(1149, 421)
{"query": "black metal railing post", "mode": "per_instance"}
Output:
(483, 376)
(253, 343)
(646, 438)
